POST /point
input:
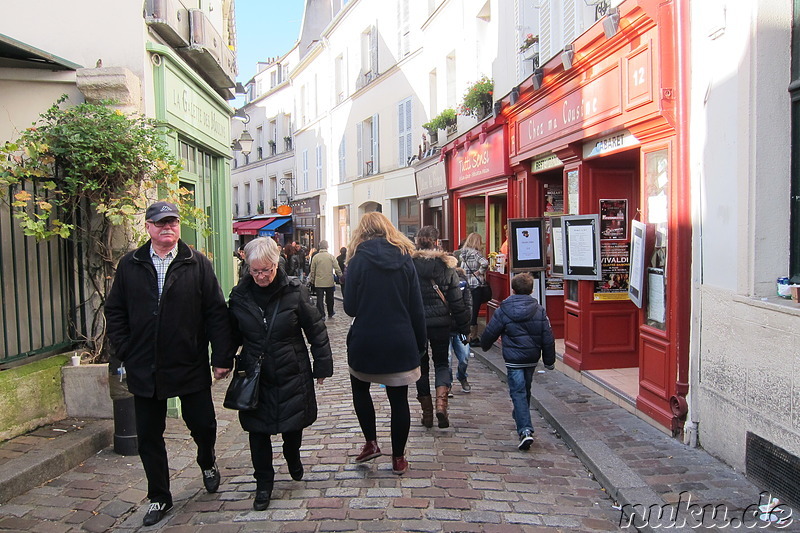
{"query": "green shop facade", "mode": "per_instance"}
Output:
(199, 133)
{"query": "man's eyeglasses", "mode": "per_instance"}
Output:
(171, 222)
(262, 272)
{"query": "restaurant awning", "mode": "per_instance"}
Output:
(250, 227)
(273, 226)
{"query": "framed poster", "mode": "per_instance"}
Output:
(656, 298)
(638, 243)
(581, 236)
(614, 219)
(557, 245)
(615, 259)
(526, 247)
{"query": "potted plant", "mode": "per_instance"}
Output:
(271, 143)
(478, 98)
(529, 46)
(441, 121)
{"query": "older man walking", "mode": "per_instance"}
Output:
(323, 266)
(164, 307)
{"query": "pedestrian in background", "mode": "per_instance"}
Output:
(164, 307)
(341, 259)
(323, 268)
(527, 337)
(443, 304)
(458, 341)
(475, 264)
(268, 300)
(242, 263)
(388, 331)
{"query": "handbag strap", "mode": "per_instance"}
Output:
(439, 292)
(269, 326)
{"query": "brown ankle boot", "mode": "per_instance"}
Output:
(427, 410)
(441, 406)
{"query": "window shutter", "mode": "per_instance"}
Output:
(360, 148)
(409, 130)
(305, 170)
(373, 50)
(375, 145)
(545, 25)
(342, 161)
(569, 21)
(319, 166)
(404, 134)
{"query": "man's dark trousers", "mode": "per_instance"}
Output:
(328, 292)
(151, 419)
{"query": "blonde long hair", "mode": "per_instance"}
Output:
(373, 225)
(475, 241)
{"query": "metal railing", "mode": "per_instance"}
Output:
(38, 288)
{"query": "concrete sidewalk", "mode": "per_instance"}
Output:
(642, 468)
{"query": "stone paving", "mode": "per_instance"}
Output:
(469, 477)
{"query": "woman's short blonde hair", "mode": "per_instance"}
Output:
(373, 225)
(262, 249)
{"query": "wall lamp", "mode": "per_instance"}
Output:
(567, 56)
(482, 137)
(537, 78)
(240, 88)
(611, 22)
(244, 143)
(514, 97)
(284, 197)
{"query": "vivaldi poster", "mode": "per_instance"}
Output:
(615, 265)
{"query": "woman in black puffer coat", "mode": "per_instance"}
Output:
(443, 303)
(287, 401)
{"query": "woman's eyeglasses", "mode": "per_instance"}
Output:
(262, 272)
(171, 222)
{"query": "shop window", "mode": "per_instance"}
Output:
(794, 91)
(656, 182)
(408, 216)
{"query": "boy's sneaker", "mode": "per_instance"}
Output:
(465, 385)
(525, 440)
(450, 391)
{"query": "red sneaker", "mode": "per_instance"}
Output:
(369, 451)
(399, 465)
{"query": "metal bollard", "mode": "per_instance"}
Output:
(125, 438)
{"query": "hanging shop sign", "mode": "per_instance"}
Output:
(431, 181)
(478, 161)
(546, 163)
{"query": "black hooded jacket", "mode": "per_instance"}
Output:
(382, 293)
(287, 400)
(164, 343)
(435, 267)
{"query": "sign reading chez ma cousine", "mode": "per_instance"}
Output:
(583, 107)
(482, 160)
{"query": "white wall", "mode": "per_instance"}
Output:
(744, 354)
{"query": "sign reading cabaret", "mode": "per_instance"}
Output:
(481, 161)
(583, 107)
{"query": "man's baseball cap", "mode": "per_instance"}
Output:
(160, 210)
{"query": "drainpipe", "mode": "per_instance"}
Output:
(681, 203)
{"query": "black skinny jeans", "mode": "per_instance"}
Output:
(328, 293)
(400, 413)
(442, 377)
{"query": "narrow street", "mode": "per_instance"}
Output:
(469, 477)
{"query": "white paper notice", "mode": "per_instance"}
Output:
(655, 294)
(528, 244)
(558, 251)
(581, 246)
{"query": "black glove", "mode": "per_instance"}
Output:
(550, 367)
(463, 338)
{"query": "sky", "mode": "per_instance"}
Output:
(264, 29)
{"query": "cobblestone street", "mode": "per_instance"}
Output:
(469, 477)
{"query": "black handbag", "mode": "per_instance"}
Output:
(242, 393)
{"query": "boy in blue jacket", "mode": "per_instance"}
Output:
(527, 335)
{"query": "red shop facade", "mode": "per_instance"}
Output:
(607, 137)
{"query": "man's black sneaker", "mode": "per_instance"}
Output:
(211, 479)
(155, 512)
(525, 440)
